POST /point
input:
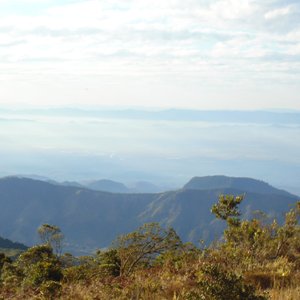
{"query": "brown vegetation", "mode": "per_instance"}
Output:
(257, 260)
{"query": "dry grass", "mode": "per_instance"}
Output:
(97, 291)
(285, 294)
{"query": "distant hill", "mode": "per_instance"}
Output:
(104, 185)
(238, 183)
(92, 219)
(87, 218)
(11, 249)
(8, 244)
(71, 183)
(111, 186)
(108, 186)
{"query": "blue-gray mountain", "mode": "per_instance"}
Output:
(10, 248)
(239, 183)
(8, 244)
(111, 186)
(107, 186)
(92, 219)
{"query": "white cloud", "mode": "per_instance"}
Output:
(294, 50)
(192, 44)
(232, 9)
(279, 12)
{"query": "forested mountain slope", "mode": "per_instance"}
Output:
(91, 219)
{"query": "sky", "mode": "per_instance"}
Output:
(98, 55)
(164, 148)
(202, 54)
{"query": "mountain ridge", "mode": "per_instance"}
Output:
(107, 185)
(92, 219)
(8, 244)
(242, 183)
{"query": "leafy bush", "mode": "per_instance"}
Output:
(217, 283)
(110, 262)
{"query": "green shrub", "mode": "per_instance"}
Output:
(110, 262)
(41, 272)
(38, 265)
(216, 283)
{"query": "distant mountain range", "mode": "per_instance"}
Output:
(11, 249)
(8, 244)
(108, 186)
(92, 219)
(104, 185)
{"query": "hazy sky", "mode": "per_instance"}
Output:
(205, 54)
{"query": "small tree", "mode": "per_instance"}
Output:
(227, 209)
(287, 236)
(143, 245)
(244, 239)
(51, 235)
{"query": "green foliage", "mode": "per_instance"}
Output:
(217, 283)
(34, 268)
(110, 262)
(75, 274)
(267, 252)
(287, 237)
(39, 265)
(143, 245)
(85, 269)
(178, 258)
(227, 209)
(3, 259)
(52, 236)
(42, 272)
(11, 276)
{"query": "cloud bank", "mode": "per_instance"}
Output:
(206, 54)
